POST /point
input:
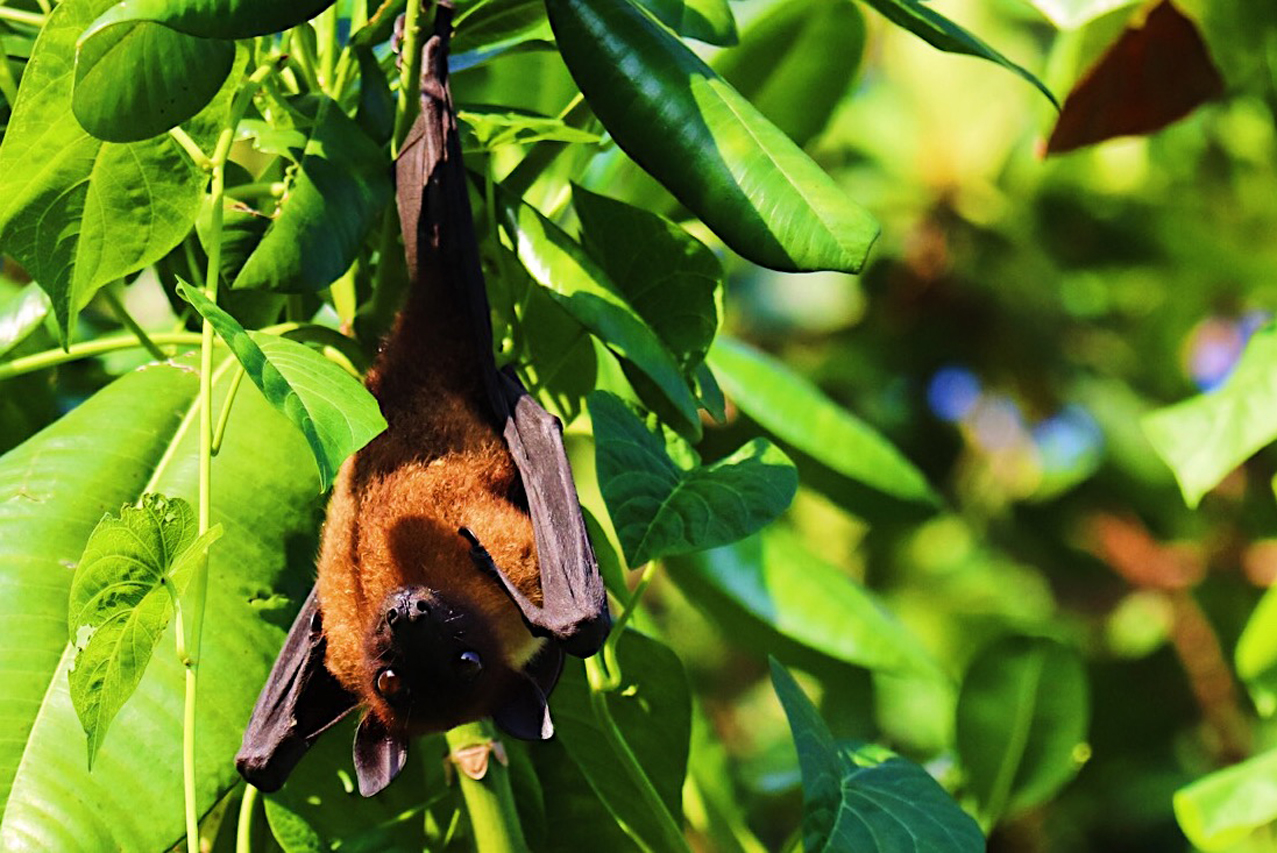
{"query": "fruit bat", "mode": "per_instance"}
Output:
(454, 567)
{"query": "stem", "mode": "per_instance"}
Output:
(305, 59)
(263, 189)
(21, 16)
(54, 357)
(409, 78)
(220, 432)
(610, 665)
(125, 318)
(489, 800)
(191, 148)
(328, 51)
(244, 827)
(672, 838)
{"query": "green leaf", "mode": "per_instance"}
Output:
(492, 23)
(1222, 808)
(808, 46)
(943, 34)
(77, 212)
(559, 264)
(212, 19)
(334, 412)
(659, 509)
(1207, 436)
(121, 602)
(770, 393)
(136, 80)
(672, 279)
(775, 578)
(341, 187)
(1071, 14)
(705, 143)
(62, 480)
(291, 830)
(1022, 714)
(710, 21)
(653, 710)
(493, 127)
(867, 799)
(376, 111)
(22, 315)
(1256, 654)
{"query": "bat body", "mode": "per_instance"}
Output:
(454, 569)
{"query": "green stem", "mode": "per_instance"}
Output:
(409, 78)
(54, 357)
(126, 319)
(489, 801)
(21, 16)
(263, 189)
(191, 148)
(610, 665)
(672, 838)
(300, 48)
(329, 50)
(244, 827)
(220, 432)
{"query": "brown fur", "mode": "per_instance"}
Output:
(398, 504)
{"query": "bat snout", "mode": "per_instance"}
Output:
(410, 607)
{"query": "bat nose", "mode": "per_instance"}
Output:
(408, 605)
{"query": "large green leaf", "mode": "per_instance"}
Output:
(653, 711)
(808, 46)
(341, 187)
(867, 799)
(659, 509)
(1022, 714)
(559, 264)
(490, 23)
(777, 579)
(1256, 654)
(335, 413)
(121, 599)
(771, 393)
(706, 143)
(212, 19)
(1205, 437)
(1221, 809)
(77, 212)
(136, 436)
(672, 279)
(21, 315)
(941, 33)
(710, 21)
(136, 80)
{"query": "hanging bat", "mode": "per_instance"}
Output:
(454, 569)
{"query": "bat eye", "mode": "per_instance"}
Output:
(469, 665)
(389, 684)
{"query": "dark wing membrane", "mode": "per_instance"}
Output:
(432, 188)
(301, 700)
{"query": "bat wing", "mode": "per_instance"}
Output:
(301, 700)
(434, 207)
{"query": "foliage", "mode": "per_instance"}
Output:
(939, 495)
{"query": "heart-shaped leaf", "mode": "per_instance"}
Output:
(1022, 714)
(121, 600)
(334, 412)
(658, 508)
(867, 798)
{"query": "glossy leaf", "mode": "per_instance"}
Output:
(710, 21)
(1022, 714)
(22, 315)
(491, 23)
(334, 412)
(136, 80)
(659, 509)
(1221, 809)
(867, 798)
(65, 478)
(653, 711)
(76, 212)
(341, 188)
(776, 578)
(672, 279)
(1071, 14)
(1207, 436)
(938, 31)
(769, 392)
(808, 46)
(705, 143)
(121, 600)
(559, 264)
(212, 19)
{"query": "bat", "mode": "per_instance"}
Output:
(454, 569)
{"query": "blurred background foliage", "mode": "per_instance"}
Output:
(1018, 316)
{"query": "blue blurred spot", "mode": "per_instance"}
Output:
(998, 423)
(1067, 439)
(953, 393)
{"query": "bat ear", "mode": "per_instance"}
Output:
(526, 716)
(379, 755)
